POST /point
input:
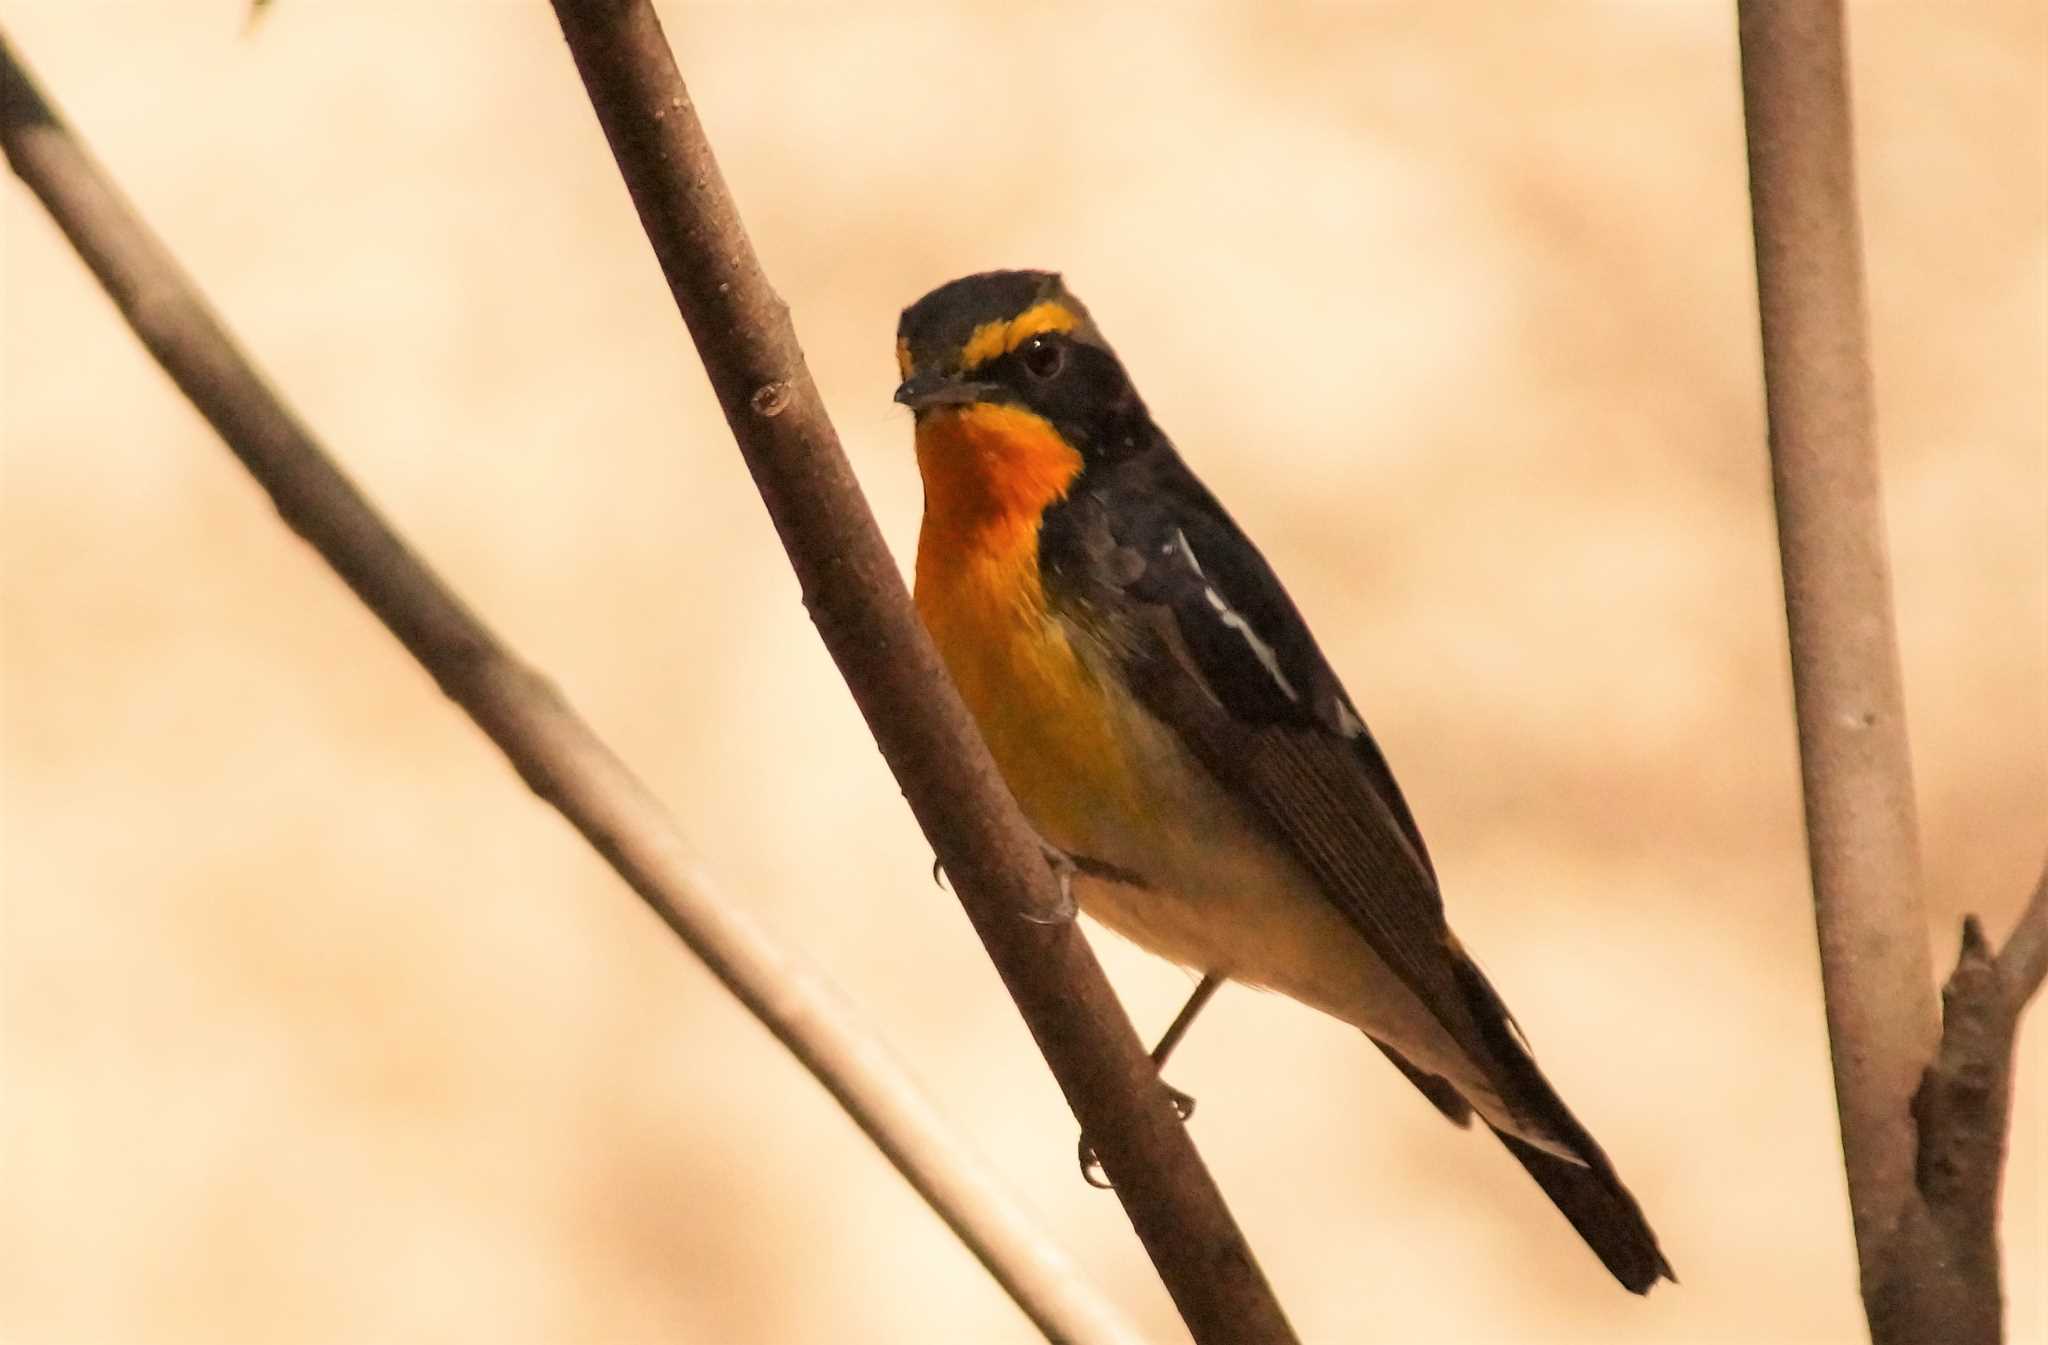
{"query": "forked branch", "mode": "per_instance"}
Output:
(1940, 1277)
(1924, 1098)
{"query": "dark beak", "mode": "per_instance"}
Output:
(935, 387)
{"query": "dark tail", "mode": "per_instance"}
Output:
(1589, 1192)
(1603, 1211)
(1591, 1196)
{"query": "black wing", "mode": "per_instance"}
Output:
(1216, 649)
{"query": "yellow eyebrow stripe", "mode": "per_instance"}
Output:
(994, 339)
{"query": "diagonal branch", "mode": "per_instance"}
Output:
(553, 750)
(857, 600)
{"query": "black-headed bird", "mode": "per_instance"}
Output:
(1168, 725)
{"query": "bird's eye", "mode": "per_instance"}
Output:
(1044, 358)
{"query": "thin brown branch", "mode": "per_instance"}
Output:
(2023, 962)
(1845, 669)
(856, 597)
(551, 748)
(1924, 1100)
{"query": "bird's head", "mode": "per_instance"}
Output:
(1014, 352)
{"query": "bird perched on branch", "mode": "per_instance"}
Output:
(1167, 723)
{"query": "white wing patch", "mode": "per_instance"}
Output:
(1234, 619)
(1348, 722)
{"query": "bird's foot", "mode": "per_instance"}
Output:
(1091, 1166)
(1063, 871)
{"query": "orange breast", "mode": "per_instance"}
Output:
(989, 473)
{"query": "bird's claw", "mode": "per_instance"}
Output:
(1091, 1166)
(1063, 871)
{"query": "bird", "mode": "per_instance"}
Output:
(1168, 725)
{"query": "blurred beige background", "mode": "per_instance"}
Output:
(318, 1028)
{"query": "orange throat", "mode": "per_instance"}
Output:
(990, 472)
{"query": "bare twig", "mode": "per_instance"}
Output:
(1924, 1100)
(552, 749)
(1845, 670)
(2023, 962)
(856, 597)
(1852, 739)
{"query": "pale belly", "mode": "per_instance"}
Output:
(1102, 779)
(1220, 896)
